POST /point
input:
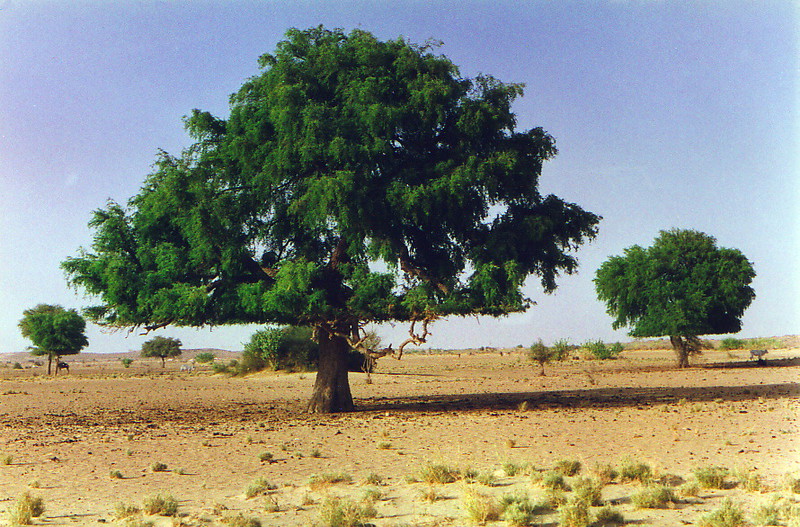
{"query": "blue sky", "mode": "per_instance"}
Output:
(666, 114)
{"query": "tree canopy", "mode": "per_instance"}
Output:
(54, 331)
(162, 348)
(354, 181)
(683, 286)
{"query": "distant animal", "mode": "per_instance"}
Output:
(62, 366)
(187, 368)
(758, 354)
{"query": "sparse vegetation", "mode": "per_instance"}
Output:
(240, 520)
(574, 513)
(205, 357)
(712, 477)
(115, 474)
(601, 351)
(654, 497)
(339, 512)
(319, 481)
(258, 487)
(604, 472)
(518, 511)
(157, 466)
(162, 504)
(6, 459)
(554, 481)
(608, 516)
(731, 343)
(479, 507)
(124, 510)
(589, 490)
(437, 473)
(541, 354)
(567, 467)
(632, 470)
(729, 515)
(25, 509)
(266, 457)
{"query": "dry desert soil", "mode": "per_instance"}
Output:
(88, 441)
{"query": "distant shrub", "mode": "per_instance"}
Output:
(608, 516)
(632, 470)
(479, 507)
(16, 366)
(731, 343)
(338, 512)
(158, 467)
(574, 513)
(604, 472)
(599, 350)
(729, 515)
(205, 357)
(763, 343)
(561, 349)
(712, 477)
(126, 362)
(567, 467)
(25, 509)
(541, 354)
(165, 505)
(437, 473)
(554, 481)
(240, 520)
(258, 487)
(655, 497)
(590, 490)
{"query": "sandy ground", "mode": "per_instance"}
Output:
(61, 438)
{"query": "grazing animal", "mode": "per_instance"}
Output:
(189, 368)
(62, 366)
(758, 354)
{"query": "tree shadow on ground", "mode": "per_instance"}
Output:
(586, 398)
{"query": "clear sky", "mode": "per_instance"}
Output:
(666, 114)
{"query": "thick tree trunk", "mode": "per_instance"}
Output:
(681, 348)
(332, 386)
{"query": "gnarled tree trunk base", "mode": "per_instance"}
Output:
(332, 386)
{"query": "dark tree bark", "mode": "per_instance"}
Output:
(682, 350)
(332, 387)
(49, 363)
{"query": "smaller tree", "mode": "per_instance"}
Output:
(162, 347)
(682, 287)
(54, 332)
(541, 354)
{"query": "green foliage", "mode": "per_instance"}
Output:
(541, 354)
(567, 467)
(479, 507)
(654, 497)
(712, 477)
(599, 350)
(574, 513)
(205, 357)
(682, 286)
(289, 348)
(438, 473)
(25, 509)
(126, 362)
(608, 516)
(632, 470)
(339, 512)
(561, 349)
(354, 180)
(589, 490)
(54, 331)
(162, 348)
(729, 515)
(731, 343)
(163, 504)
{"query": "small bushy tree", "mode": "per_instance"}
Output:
(162, 348)
(541, 354)
(205, 357)
(54, 332)
(683, 286)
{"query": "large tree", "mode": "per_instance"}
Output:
(684, 286)
(354, 181)
(54, 331)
